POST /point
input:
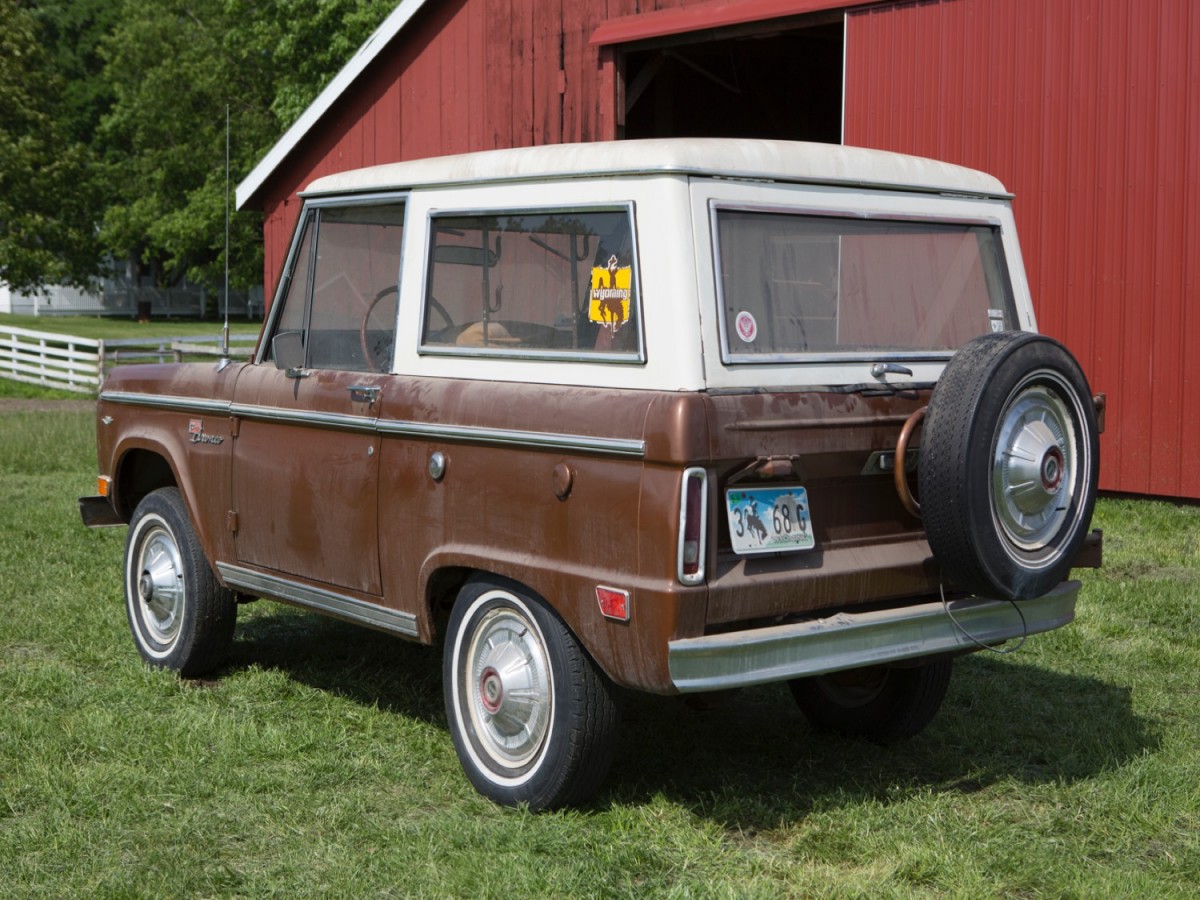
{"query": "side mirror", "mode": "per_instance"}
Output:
(287, 348)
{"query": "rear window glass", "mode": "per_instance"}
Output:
(538, 284)
(792, 284)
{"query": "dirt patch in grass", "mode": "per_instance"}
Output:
(20, 404)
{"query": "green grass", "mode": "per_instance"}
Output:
(317, 763)
(111, 328)
(21, 390)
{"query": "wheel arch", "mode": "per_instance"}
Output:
(144, 466)
(140, 471)
(631, 653)
(444, 575)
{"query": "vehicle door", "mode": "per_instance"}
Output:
(306, 457)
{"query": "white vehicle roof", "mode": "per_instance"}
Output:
(783, 161)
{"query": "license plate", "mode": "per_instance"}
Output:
(769, 520)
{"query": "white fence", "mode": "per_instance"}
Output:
(117, 299)
(80, 364)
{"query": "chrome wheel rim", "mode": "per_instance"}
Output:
(160, 586)
(509, 688)
(1036, 464)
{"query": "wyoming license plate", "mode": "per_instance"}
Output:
(769, 520)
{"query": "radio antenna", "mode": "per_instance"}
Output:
(225, 360)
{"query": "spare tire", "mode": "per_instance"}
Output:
(1008, 465)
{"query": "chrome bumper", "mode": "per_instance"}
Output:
(851, 640)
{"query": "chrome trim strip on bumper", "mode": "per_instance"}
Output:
(539, 440)
(852, 640)
(334, 604)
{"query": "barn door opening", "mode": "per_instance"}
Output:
(780, 79)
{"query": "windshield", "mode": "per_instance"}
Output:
(794, 284)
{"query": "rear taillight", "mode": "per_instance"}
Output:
(693, 530)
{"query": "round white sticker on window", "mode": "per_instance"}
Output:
(747, 328)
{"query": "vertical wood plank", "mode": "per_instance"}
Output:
(1166, 351)
(500, 73)
(1189, 197)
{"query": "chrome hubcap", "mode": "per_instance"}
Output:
(1035, 463)
(511, 691)
(160, 586)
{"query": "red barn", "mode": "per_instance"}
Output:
(1088, 110)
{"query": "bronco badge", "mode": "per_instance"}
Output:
(197, 435)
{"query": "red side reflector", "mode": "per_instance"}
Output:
(614, 603)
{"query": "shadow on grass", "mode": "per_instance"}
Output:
(754, 762)
(362, 665)
(748, 759)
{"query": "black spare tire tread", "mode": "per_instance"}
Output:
(955, 473)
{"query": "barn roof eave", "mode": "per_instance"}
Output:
(249, 187)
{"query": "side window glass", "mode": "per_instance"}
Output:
(352, 320)
(295, 296)
(557, 284)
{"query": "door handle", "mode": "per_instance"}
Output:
(361, 393)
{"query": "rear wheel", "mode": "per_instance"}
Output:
(180, 615)
(532, 717)
(878, 703)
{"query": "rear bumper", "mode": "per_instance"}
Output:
(852, 640)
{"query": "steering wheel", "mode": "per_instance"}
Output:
(375, 356)
(441, 311)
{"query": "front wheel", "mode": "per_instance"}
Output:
(877, 703)
(532, 717)
(181, 617)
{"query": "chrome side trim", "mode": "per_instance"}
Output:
(302, 417)
(320, 600)
(542, 440)
(168, 401)
(851, 640)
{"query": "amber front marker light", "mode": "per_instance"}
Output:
(102, 485)
(614, 603)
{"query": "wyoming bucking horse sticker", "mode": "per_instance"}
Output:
(609, 306)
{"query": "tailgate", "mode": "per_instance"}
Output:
(811, 472)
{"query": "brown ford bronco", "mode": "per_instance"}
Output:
(674, 416)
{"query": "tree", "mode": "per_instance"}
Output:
(112, 126)
(47, 210)
(174, 66)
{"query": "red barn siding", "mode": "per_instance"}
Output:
(1088, 110)
(1090, 113)
(466, 75)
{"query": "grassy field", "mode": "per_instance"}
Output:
(317, 763)
(110, 328)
